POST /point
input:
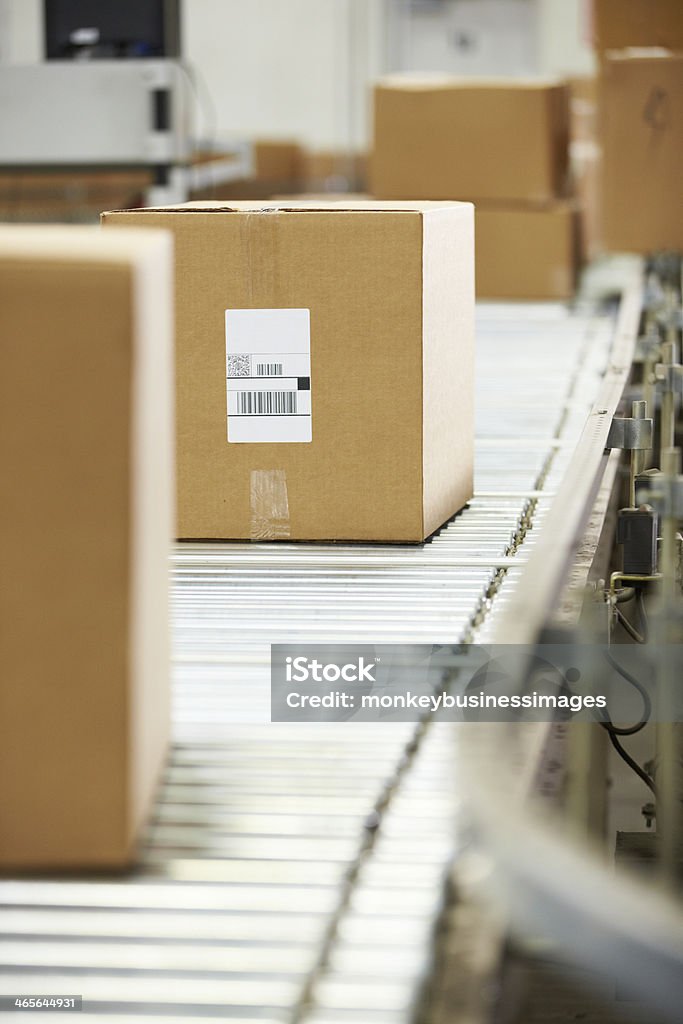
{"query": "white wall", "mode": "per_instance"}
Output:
(477, 37)
(303, 68)
(21, 31)
(287, 68)
(564, 47)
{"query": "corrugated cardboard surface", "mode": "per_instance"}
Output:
(458, 138)
(85, 518)
(369, 472)
(621, 23)
(641, 126)
(526, 252)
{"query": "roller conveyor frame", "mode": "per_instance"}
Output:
(340, 871)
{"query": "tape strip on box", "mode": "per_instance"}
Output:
(269, 505)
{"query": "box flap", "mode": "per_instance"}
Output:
(421, 81)
(292, 206)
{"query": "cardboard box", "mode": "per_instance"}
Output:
(621, 23)
(278, 167)
(584, 157)
(583, 107)
(69, 196)
(86, 520)
(641, 121)
(334, 171)
(527, 252)
(278, 160)
(381, 295)
(478, 139)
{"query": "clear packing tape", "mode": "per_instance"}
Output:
(269, 505)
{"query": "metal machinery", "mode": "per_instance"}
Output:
(113, 94)
(396, 873)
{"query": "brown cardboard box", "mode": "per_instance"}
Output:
(69, 196)
(456, 138)
(278, 167)
(390, 290)
(526, 252)
(86, 520)
(328, 170)
(278, 160)
(584, 157)
(641, 122)
(621, 23)
(583, 107)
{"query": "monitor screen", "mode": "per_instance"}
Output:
(111, 29)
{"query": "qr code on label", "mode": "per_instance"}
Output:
(239, 366)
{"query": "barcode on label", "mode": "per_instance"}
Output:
(269, 369)
(239, 365)
(266, 403)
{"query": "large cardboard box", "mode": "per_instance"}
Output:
(527, 252)
(462, 138)
(86, 460)
(621, 23)
(641, 127)
(348, 330)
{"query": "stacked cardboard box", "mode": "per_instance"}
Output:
(324, 367)
(639, 44)
(503, 144)
(86, 521)
(584, 155)
(68, 196)
(641, 112)
(618, 24)
(277, 167)
(334, 171)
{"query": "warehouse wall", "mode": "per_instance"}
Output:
(21, 31)
(288, 68)
(302, 68)
(564, 37)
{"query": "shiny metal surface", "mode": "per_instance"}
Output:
(291, 872)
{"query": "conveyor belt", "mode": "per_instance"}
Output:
(295, 873)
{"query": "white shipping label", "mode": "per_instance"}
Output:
(268, 370)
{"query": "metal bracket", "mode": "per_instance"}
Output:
(666, 496)
(630, 433)
(669, 376)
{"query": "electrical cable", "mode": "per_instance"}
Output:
(625, 756)
(629, 627)
(637, 685)
(644, 624)
(615, 731)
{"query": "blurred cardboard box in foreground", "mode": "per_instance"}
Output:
(86, 519)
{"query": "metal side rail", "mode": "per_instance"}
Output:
(297, 873)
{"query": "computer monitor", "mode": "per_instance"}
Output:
(111, 29)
